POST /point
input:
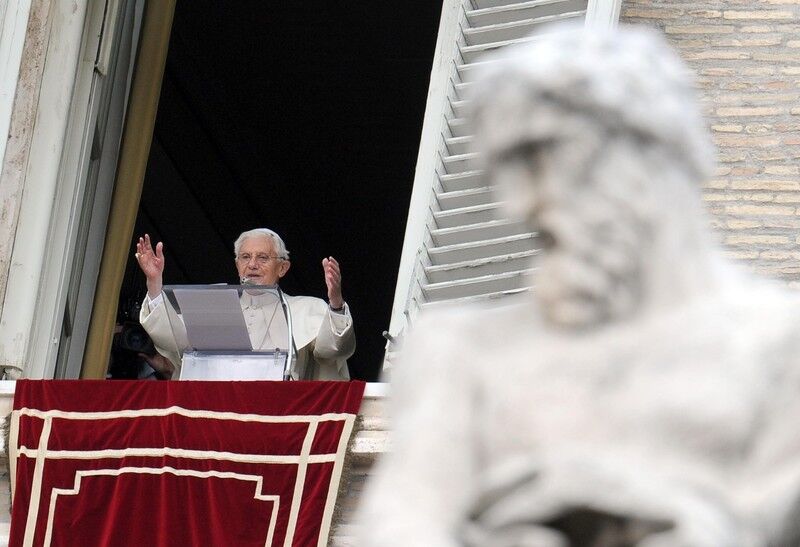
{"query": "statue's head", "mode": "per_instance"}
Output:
(594, 138)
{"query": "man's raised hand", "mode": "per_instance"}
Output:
(152, 264)
(333, 279)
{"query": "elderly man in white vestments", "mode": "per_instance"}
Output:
(645, 393)
(323, 332)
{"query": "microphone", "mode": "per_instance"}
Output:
(244, 280)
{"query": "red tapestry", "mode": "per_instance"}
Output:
(177, 463)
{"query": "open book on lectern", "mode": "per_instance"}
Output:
(219, 343)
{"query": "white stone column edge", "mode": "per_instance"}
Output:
(13, 25)
(603, 13)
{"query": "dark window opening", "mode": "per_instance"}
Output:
(303, 117)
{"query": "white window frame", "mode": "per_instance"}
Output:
(54, 186)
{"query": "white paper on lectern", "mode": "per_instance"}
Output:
(253, 366)
(213, 319)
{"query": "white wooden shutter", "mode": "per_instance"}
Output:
(458, 246)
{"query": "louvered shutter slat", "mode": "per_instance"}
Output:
(465, 198)
(471, 233)
(496, 283)
(493, 265)
(458, 127)
(473, 53)
(459, 163)
(474, 250)
(461, 181)
(522, 11)
(467, 70)
(487, 4)
(459, 145)
(515, 30)
(467, 215)
(465, 300)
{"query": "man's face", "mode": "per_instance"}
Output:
(258, 261)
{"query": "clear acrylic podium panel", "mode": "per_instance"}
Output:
(219, 343)
(263, 365)
(169, 291)
(212, 317)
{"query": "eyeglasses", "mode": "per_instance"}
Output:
(261, 260)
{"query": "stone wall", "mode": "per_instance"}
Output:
(746, 55)
(370, 440)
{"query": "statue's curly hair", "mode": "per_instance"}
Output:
(628, 79)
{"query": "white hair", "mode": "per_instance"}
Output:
(280, 246)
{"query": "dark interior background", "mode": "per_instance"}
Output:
(303, 117)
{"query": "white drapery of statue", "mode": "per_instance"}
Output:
(645, 392)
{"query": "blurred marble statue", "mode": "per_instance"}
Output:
(645, 392)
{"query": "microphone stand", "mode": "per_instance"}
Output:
(291, 358)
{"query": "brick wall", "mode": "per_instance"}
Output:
(746, 54)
